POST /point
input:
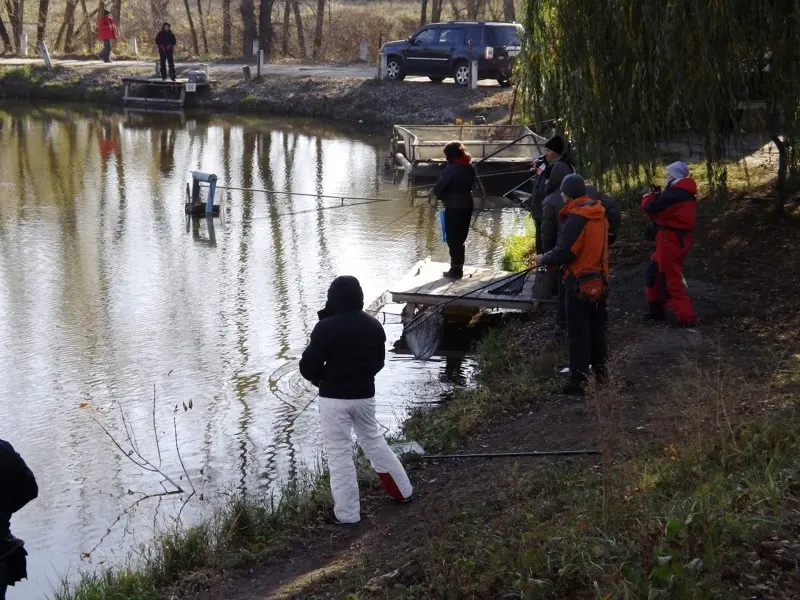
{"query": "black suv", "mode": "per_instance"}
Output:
(441, 50)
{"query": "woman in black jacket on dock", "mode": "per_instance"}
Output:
(165, 40)
(454, 189)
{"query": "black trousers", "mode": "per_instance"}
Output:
(586, 330)
(105, 53)
(166, 56)
(456, 228)
(537, 223)
(561, 318)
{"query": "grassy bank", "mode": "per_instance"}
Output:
(361, 100)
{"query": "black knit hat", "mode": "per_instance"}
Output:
(573, 186)
(556, 144)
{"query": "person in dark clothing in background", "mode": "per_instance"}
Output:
(454, 189)
(582, 251)
(17, 488)
(552, 167)
(673, 215)
(345, 353)
(165, 40)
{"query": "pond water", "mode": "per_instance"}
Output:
(108, 293)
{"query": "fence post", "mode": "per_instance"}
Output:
(45, 55)
(23, 44)
(363, 52)
(382, 66)
(260, 66)
(133, 46)
(473, 74)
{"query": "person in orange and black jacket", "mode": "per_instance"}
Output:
(17, 488)
(581, 251)
(106, 31)
(454, 189)
(165, 40)
(672, 218)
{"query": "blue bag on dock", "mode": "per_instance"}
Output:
(441, 224)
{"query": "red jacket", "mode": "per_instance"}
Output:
(675, 207)
(106, 29)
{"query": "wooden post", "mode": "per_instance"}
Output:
(45, 54)
(246, 72)
(23, 44)
(473, 74)
(382, 66)
(363, 52)
(260, 65)
(134, 46)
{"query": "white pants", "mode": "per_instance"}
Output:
(338, 420)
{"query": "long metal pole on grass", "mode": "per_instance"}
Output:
(514, 454)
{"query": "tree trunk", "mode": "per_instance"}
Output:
(473, 8)
(192, 30)
(13, 7)
(202, 25)
(318, 29)
(781, 184)
(456, 12)
(265, 33)
(116, 13)
(249, 32)
(436, 11)
(423, 15)
(509, 13)
(69, 42)
(41, 23)
(227, 43)
(9, 47)
(301, 35)
(287, 14)
(88, 26)
(158, 13)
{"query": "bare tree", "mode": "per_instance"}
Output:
(509, 13)
(116, 12)
(423, 16)
(15, 8)
(250, 32)
(436, 11)
(192, 30)
(473, 9)
(4, 36)
(41, 23)
(318, 28)
(227, 48)
(265, 32)
(287, 14)
(202, 25)
(456, 11)
(301, 36)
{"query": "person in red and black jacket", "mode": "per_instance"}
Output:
(106, 32)
(165, 40)
(673, 215)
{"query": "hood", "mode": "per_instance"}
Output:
(588, 208)
(686, 184)
(344, 294)
(557, 177)
(395, 44)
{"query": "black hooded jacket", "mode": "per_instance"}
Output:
(347, 346)
(165, 40)
(17, 486)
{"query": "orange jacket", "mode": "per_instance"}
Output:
(106, 29)
(582, 244)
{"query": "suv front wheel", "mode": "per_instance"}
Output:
(394, 69)
(461, 74)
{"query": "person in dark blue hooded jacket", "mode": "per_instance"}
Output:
(345, 353)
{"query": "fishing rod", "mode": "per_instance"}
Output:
(513, 454)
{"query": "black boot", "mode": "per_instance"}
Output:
(656, 311)
(454, 273)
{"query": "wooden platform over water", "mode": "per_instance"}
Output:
(427, 287)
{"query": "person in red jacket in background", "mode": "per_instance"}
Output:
(672, 214)
(106, 31)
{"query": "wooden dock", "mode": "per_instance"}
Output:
(427, 287)
(156, 91)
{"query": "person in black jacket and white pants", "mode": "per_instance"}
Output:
(345, 353)
(454, 189)
(17, 488)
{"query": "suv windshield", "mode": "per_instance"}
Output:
(506, 35)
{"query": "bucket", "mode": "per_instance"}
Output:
(441, 225)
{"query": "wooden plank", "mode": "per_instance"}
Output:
(467, 301)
